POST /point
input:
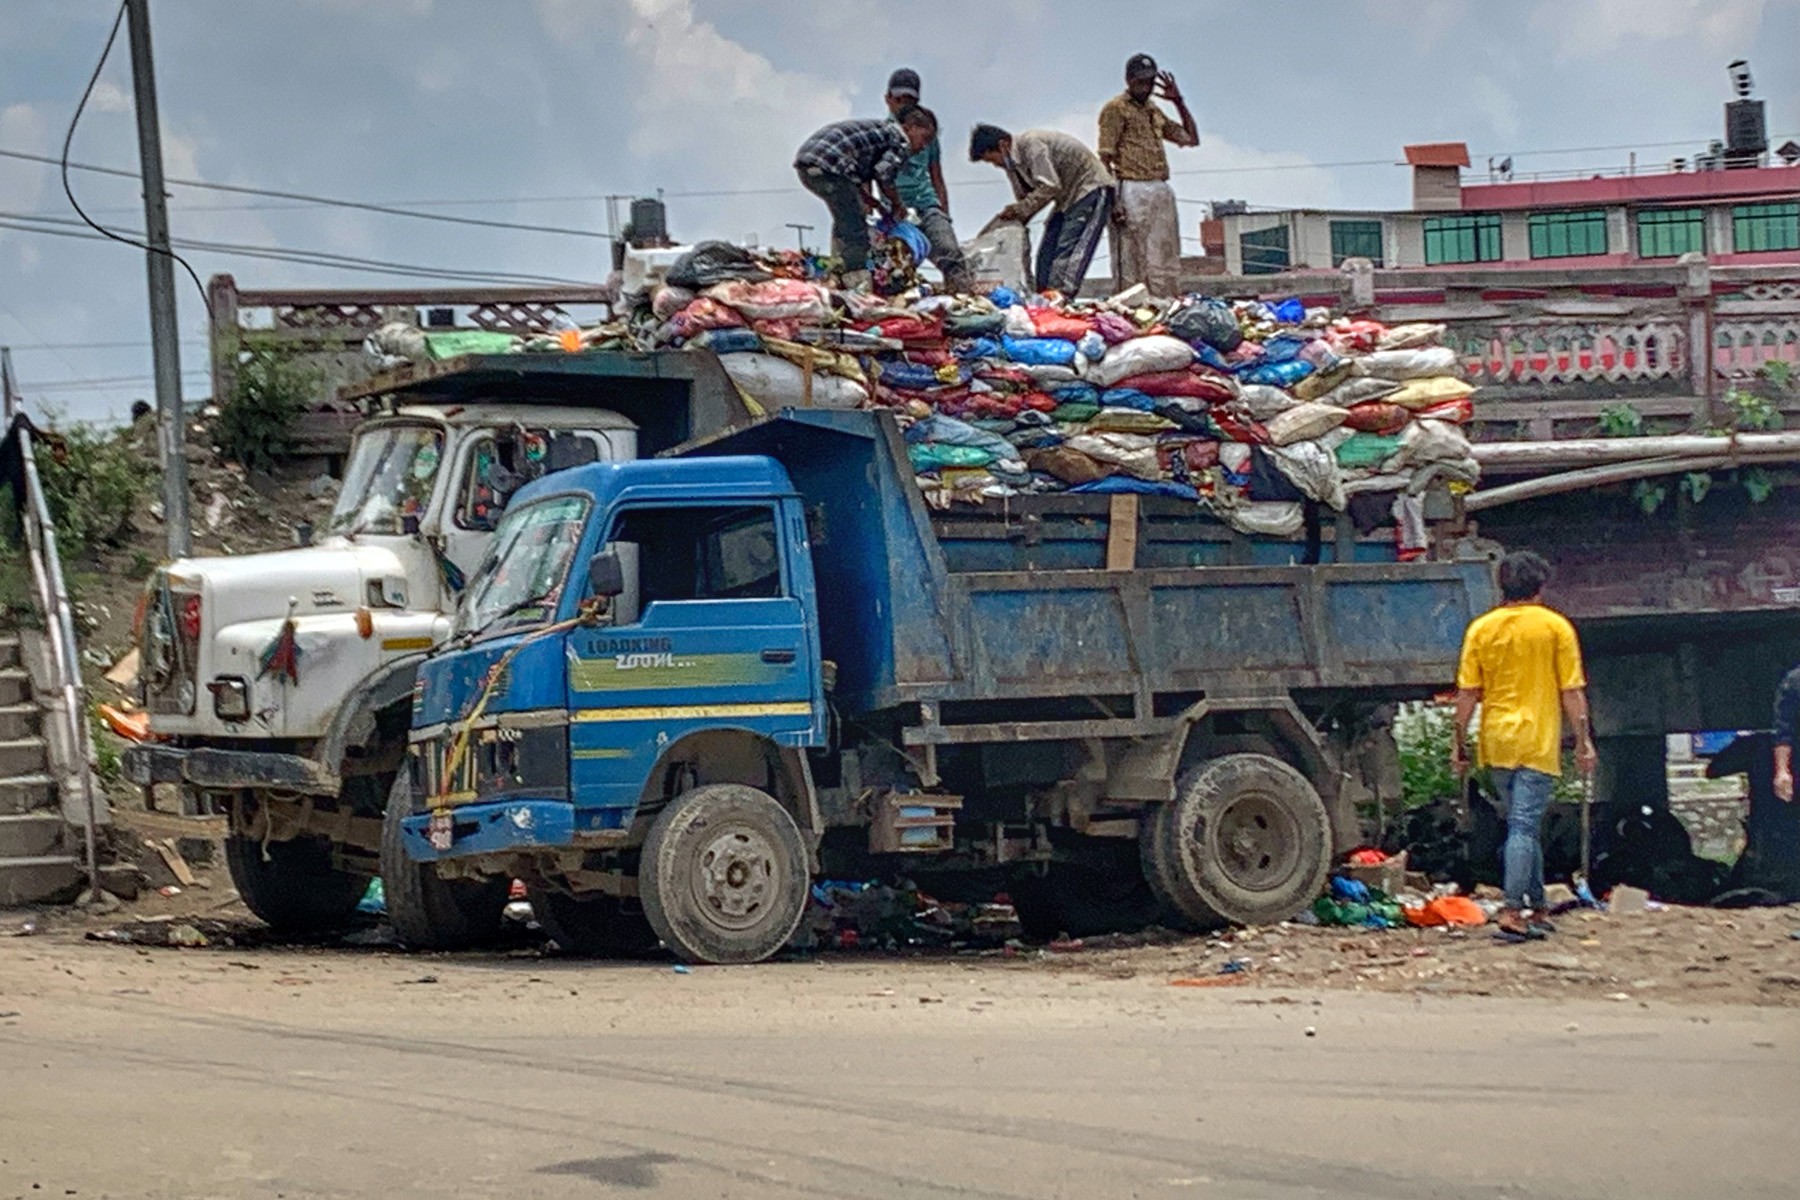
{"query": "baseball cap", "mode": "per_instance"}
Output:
(1140, 66)
(904, 82)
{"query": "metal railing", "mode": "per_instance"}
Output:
(59, 626)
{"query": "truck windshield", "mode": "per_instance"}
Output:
(388, 480)
(522, 579)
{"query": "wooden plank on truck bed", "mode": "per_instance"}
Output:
(1122, 533)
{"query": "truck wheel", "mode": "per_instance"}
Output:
(723, 875)
(297, 890)
(429, 913)
(1247, 841)
(593, 927)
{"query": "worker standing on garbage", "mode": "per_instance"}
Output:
(1522, 664)
(1047, 167)
(1787, 728)
(840, 162)
(921, 187)
(1146, 234)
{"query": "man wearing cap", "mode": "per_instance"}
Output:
(1146, 238)
(921, 187)
(1047, 166)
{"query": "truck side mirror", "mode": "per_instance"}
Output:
(606, 574)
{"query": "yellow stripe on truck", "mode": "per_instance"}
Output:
(407, 643)
(695, 712)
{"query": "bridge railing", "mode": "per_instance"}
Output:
(1551, 350)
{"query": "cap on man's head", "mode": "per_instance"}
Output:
(1140, 66)
(904, 82)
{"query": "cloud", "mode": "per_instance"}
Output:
(1496, 104)
(1591, 28)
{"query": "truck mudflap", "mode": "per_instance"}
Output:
(490, 828)
(226, 770)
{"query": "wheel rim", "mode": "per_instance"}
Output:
(736, 877)
(1256, 842)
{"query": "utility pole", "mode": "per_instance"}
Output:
(164, 328)
(800, 232)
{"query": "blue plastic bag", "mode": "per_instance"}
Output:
(914, 377)
(981, 347)
(1125, 397)
(1003, 297)
(1281, 374)
(1079, 392)
(1290, 311)
(1039, 352)
(914, 237)
(1349, 891)
(1141, 487)
(1283, 347)
(727, 341)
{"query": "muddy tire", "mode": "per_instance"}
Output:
(594, 926)
(429, 913)
(723, 876)
(297, 890)
(1159, 848)
(1246, 841)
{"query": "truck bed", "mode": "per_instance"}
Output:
(983, 626)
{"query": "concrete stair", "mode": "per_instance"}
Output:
(36, 863)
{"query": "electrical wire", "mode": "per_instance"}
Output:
(69, 190)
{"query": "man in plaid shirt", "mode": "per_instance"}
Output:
(840, 162)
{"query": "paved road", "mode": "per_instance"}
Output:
(308, 1074)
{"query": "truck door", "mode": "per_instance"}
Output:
(719, 640)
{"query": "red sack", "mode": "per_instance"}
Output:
(1038, 402)
(995, 406)
(1248, 432)
(1209, 388)
(786, 329)
(1355, 336)
(934, 359)
(1458, 412)
(999, 376)
(1377, 416)
(1049, 323)
(907, 329)
(1197, 455)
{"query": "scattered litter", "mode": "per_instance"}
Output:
(1236, 966)
(187, 937)
(1311, 1031)
(374, 899)
(1627, 899)
(683, 969)
(420, 979)
(169, 890)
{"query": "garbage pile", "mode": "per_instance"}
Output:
(1251, 410)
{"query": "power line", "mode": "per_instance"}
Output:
(322, 201)
(61, 227)
(137, 345)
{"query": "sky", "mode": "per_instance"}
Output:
(530, 111)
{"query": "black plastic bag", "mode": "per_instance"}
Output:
(714, 262)
(1205, 319)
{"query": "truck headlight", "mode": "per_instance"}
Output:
(231, 697)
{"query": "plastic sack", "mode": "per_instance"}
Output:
(1377, 416)
(1079, 392)
(1188, 415)
(1130, 452)
(1290, 311)
(1000, 259)
(1113, 328)
(1053, 323)
(712, 263)
(1423, 393)
(1075, 412)
(1183, 458)
(1323, 380)
(727, 341)
(1364, 451)
(1211, 388)
(1091, 345)
(933, 456)
(1116, 484)
(1035, 351)
(774, 299)
(1067, 464)
(1314, 470)
(1303, 423)
(976, 324)
(909, 376)
(939, 428)
(1127, 397)
(1280, 374)
(908, 329)
(1355, 337)
(776, 383)
(909, 235)
(1408, 364)
(1264, 401)
(666, 301)
(1432, 442)
(1456, 412)
(1141, 356)
(1410, 337)
(1356, 390)
(1269, 518)
(1205, 320)
(1050, 374)
(1128, 420)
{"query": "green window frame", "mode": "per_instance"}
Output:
(1355, 239)
(1265, 251)
(1671, 232)
(1772, 226)
(1462, 239)
(1575, 233)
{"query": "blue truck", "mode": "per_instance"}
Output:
(682, 688)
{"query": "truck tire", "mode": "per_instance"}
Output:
(429, 913)
(723, 875)
(594, 926)
(1246, 841)
(297, 890)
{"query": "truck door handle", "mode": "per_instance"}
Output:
(778, 656)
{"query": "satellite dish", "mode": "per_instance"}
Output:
(1506, 167)
(1789, 152)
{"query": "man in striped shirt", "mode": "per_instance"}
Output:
(844, 161)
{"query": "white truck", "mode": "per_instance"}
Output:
(279, 685)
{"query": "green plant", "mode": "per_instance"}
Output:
(1757, 483)
(1751, 413)
(255, 425)
(1423, 733)
(108, 764)
(1649, 494)
(1695, 484)
(1621, 420)
(93, 481)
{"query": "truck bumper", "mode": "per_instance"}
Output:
(225, 770)
(493, 828)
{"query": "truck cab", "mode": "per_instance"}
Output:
(279, 685)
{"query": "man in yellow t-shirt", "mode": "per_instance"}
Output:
(1522, 664)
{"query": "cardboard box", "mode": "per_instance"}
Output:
(1389, 877)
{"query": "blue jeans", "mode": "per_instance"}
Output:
(1527, 796)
